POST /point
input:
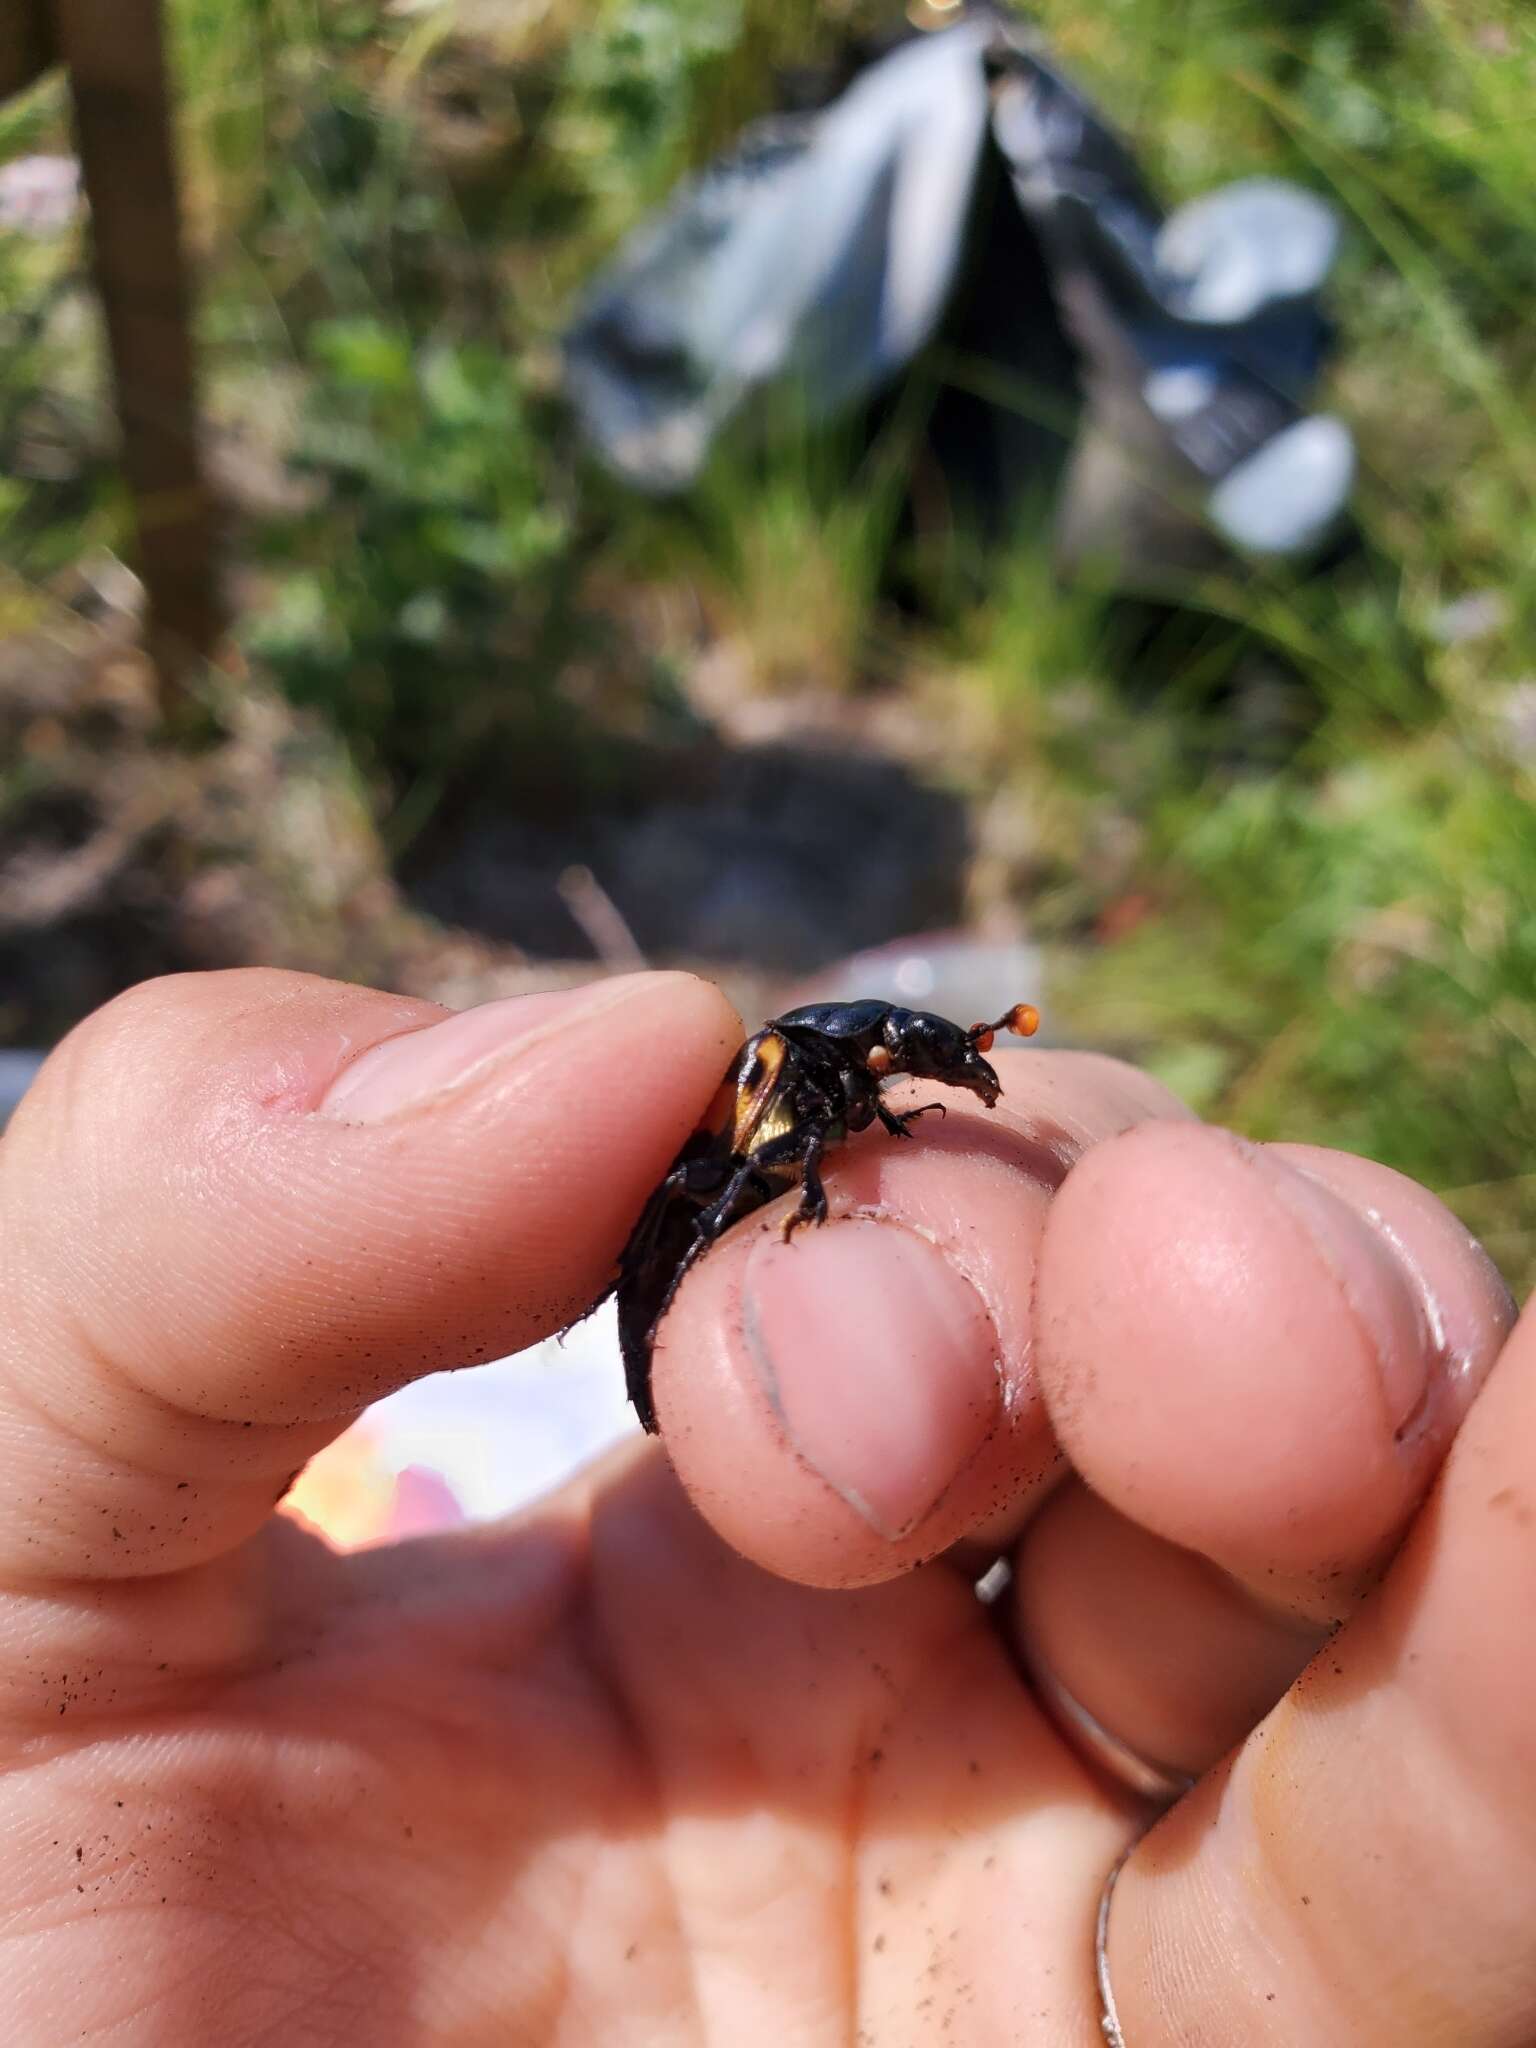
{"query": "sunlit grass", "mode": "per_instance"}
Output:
(1342, 949)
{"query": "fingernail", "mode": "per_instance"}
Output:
(404, 1073)
(879, 1358)
(1386, 1297)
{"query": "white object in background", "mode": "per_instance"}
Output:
(1241, 251)
(819, 255)
(501, 1435)
(39, 195)
(469, 1446)
(1285, 498)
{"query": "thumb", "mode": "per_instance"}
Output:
(235, 1208)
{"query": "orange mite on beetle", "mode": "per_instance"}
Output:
(805, 1081)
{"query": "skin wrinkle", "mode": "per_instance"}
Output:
(1505, 1307)
(257, 1506)
(100, 1362)
(283, 1911)
(222, 1431)
(1273, 1888)
(562, 2000)
(596, 1649)
(1396, 1426)
(810, 1655)
(239, 1583)
(581, 2004)
(113, 1373)
(325, 1993)
(145, 2007)
(855, 1819)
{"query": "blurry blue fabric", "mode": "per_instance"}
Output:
(820, 257)
(821, 253)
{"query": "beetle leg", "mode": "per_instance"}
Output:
(813, 1196)
(897, 1125)
(720, 1214)
(693, 1179)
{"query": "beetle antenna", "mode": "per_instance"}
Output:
(1023, 1020)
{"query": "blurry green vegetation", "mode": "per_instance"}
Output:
(1344, 950)
(1310, 902)
(430, 504)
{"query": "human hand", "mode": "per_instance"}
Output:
(593, 1775)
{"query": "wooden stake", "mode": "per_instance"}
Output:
(115, 55)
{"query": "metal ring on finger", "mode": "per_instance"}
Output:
(1160, 1784)
(1109, 2015)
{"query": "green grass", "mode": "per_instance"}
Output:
(1323, 927)
(1344, 950)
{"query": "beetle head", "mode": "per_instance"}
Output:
(933, 1049)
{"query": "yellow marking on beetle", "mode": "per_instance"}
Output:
(758, 1115)
(721, 1113)
(776, 1123)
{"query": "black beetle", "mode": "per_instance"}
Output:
(801, 1083)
